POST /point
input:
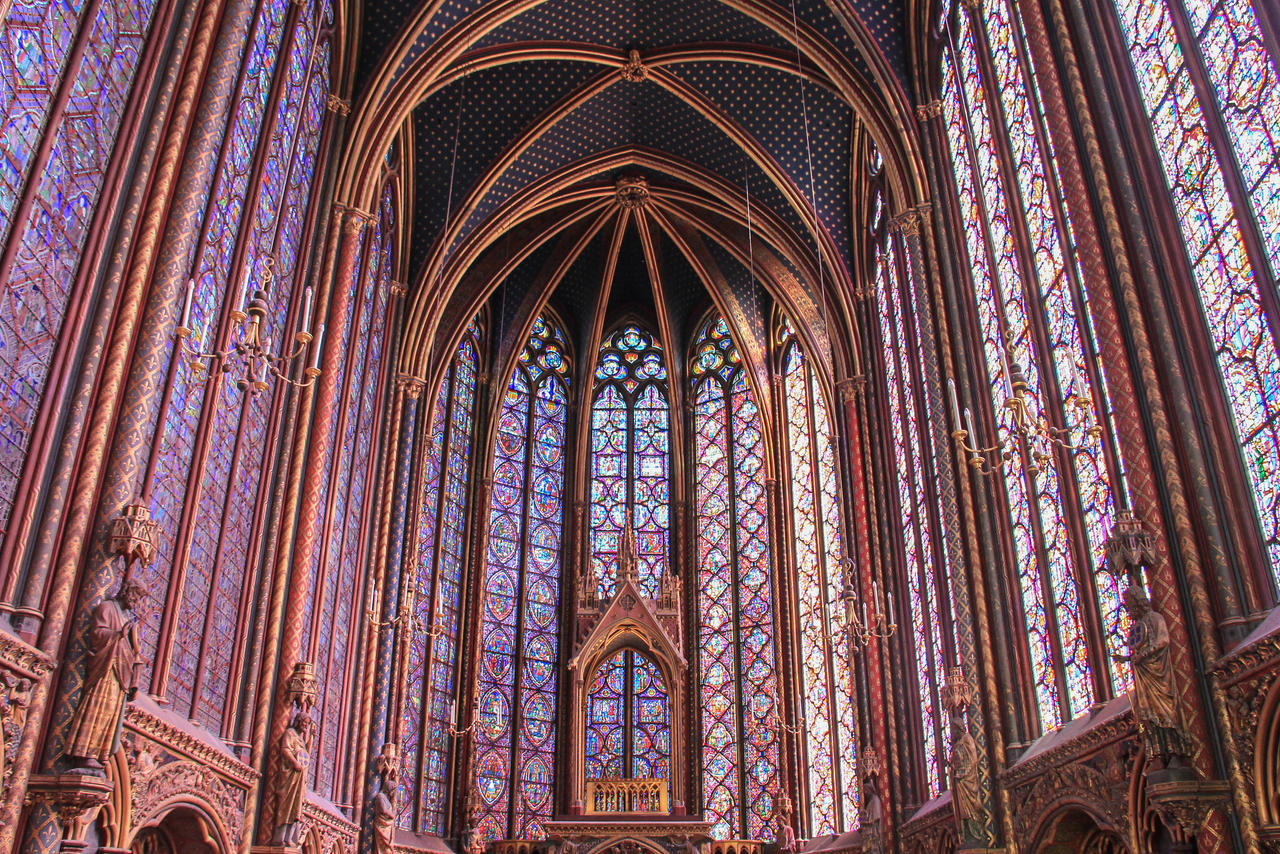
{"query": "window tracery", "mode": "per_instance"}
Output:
(734, 594)
(519, 667)
(630, 456)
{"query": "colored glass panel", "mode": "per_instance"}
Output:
(1231, 49)
(1066, 320)
(35, 43)
(826, 682)
(735, 614)
(1055, 628)
(628, 720)
(630, 456)
(430, 705)
(515, 731)
(912, 453)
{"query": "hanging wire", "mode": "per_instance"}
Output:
(813, 194)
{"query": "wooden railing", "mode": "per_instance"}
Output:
(643, 796)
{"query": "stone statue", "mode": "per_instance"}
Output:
(786, 836)
(966, 791)
(291, 783)
(689, 846)
(566, 846)
(1154, 703)
(382, 806)
(111, 679)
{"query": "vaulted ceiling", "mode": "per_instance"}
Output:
(746, 119)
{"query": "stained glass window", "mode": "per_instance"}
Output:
(1028, 291)
(826, 679)
(630, 456)
(429, 712)
(515, 734)
(628, 720)
(36, 57)
(913, 456)
(1219, 222)
(737, 676)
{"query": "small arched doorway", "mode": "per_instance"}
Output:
(182, 830)
(1074, 831)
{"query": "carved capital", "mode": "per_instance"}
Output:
(412, 386)
(1184, 805)
(973, 7)
(398, 289)
(907, 223)
(931, 110)
(335, 104)
(852, 388)
(355, 221)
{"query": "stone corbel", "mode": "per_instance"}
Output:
(76, 799)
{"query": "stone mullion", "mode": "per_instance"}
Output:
(882, 656)
(1175, 593)
(63, 536)
(379, 710)
(791, 777)
(967, 512)
(1093, 623)
(909, 375)
(471, 617)
(39, 499)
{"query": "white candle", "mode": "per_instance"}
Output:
(1004, 363)
(955, 404)
(306, 310)
(186, 308)
(315, 358)
(968, 425)
(243, 297)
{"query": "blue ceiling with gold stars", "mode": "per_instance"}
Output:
(516, 92)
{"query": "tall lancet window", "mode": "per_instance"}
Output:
(516, 732)
(736, 657)
(1212, 92)
(827, 702)
(430, 708)
(914, 470)
(1033, 317)
(630, 459)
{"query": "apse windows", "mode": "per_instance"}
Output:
(430, 711)
(736, 653)
(1212, 95)
(515, 731)
(826, 689)
(1033, 316)
(630, 456)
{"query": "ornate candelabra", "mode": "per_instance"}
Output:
(405, 614)
(249, 350)
(1024, 426)
(859, 623)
